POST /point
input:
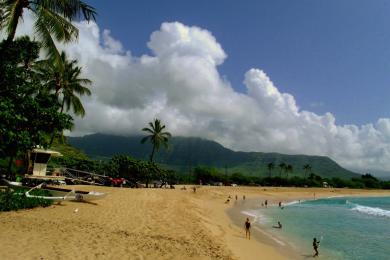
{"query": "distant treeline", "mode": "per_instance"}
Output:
(210, 175)
(136, 170)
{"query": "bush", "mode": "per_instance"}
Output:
(16, 199)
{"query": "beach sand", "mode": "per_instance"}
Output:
(150, 224)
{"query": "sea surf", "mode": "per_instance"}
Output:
(347, 227)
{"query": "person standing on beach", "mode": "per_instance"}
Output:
(266, 203)
(247, 228)
(315, 246)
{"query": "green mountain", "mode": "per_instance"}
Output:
(185, 153)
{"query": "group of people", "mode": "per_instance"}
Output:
(247, 227)
(265, 204)
(230, 197)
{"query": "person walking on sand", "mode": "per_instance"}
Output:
(315, 246)
(243, 197)
(266, 203)
(247, 228)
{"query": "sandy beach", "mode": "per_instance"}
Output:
(150, 224)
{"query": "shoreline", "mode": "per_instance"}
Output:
(237, 213)
(149, 224)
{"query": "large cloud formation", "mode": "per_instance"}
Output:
(180, 84)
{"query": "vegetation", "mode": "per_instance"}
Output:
(27, 109)
(156, 136)
(62, 77)
(14, 199)
(270, 167)
(210, 175)
(185, 153)
(52, 20)
(29, 89)
(136, 170)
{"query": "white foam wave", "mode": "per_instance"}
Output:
(292, 202)
(372, 211)
(250, 214)
(335, 196)
(256, 215)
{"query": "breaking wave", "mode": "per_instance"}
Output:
(371, 211)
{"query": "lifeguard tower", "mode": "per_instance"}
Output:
(38, 159)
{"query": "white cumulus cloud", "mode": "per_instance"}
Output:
(180, 84)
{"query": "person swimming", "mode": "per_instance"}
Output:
(316, 244)
(278, 226)
(247, 228)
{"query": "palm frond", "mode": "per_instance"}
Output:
(148, 130)
(62, 29)
(47, 41)
(144, 139)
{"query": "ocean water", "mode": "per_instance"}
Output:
(348, 227)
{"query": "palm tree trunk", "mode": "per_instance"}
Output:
(152, 154)
(54, 130)
(11, 159)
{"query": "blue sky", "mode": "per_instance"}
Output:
(333, 56)
(294, 77)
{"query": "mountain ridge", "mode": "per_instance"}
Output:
(184, 153)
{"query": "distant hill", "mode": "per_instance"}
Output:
(185, 153)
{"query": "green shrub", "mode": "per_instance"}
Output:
(16, 199)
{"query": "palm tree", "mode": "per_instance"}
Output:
(282, 167)
(289, 168)
(307, 168)
(52, 19)
(63, 78)
(156, 136)
(270, 167)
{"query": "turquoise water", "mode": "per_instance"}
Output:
(349, 228)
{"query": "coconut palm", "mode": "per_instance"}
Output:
(156, 136)
(282, 167)
(289, 169)
(63, 77)
(52, 19)
(270, 167)
(307, 168)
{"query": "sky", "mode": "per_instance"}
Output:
(333, 56)
(296, 77)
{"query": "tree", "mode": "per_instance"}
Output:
(51, 18)
(270, 167)
(307, 168)
(27, 111)
(156, 136)
(289, 169)
(282, 167)
(62, 77)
